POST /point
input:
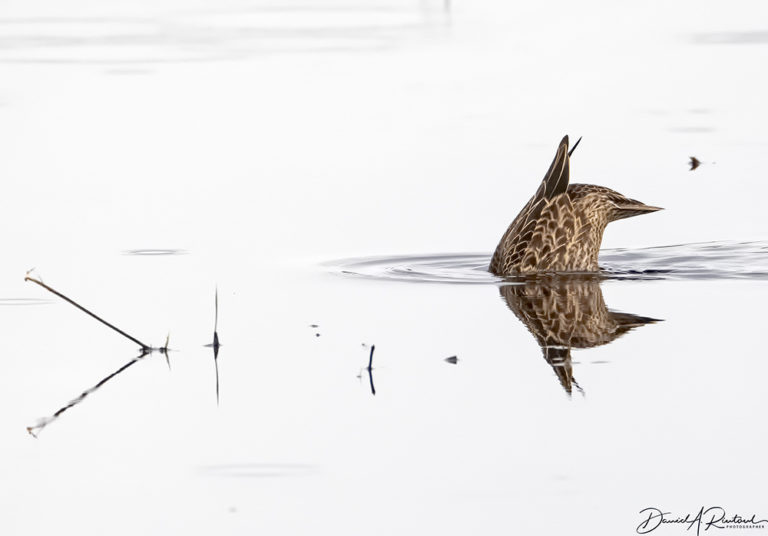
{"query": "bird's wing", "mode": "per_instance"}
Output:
(555, 182)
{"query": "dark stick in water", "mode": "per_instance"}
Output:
(370, 358)
(370, 370)
(144, 347)
(216, 317)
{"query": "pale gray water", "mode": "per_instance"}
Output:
(154, 152)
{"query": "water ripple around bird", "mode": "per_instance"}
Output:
(705, 260)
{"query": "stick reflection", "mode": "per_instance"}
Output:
(567, 312)
(45, 421)
(215, 344)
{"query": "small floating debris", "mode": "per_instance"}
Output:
(694, 163)
(315, 326)
(452, 360)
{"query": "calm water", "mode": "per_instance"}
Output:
(305, 161)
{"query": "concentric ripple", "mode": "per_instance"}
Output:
(154, 252)
(707, 260)
(458, 268)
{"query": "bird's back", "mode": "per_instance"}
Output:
(539, 236)
(563, 238)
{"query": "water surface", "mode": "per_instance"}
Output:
(154, 152)
(707, 260)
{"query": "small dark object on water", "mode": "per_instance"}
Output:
(317, 334)
(694, 163)
(314, 326)
(452, 360)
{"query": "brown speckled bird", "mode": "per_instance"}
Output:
(561, 227)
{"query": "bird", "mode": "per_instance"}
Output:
(561, 227)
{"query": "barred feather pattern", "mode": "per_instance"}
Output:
(561, 227)
(564, 312)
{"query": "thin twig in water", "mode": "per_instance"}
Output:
(216, 315)
(370, 370)
(144, 347)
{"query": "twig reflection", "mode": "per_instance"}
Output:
(215, 344)
(45, 421)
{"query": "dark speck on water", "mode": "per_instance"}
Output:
(694, 163)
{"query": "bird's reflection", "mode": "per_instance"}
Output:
(564, 312)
